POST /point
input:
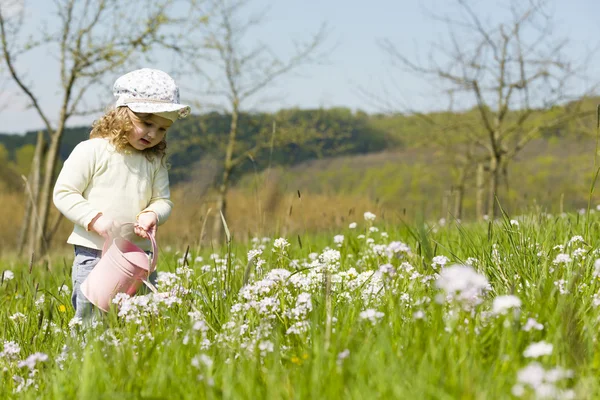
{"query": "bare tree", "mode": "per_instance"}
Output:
(241, 73)
(94, 40)
(513, 71)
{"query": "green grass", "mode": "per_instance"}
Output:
(220, 339)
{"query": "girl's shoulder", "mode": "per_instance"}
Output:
(91, 145)
(97, 142)
(90, 150)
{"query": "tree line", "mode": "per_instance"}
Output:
(293, 136)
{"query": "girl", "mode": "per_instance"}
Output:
(119, 174)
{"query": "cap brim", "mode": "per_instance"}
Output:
(152, 108)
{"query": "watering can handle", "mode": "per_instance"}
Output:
(154, 251)
(152, 241)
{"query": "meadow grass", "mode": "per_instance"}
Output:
(375, 311)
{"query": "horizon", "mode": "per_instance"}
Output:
(356, 64)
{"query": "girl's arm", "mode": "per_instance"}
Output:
(72, 181)
(160, 203)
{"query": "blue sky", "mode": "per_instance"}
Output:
(355, 61)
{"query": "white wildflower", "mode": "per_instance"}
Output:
(471, 261)
(372, 315)
(30, 361)
(396, 249)
(596, 272)
(463, 283)
(167, 280)
(504, 303)
(579, 253)
(184, 271)
(538, 349)
(532, 324)
(330, 257)
(562, 259)
(576, 239)
(419, 315)
(18, 316)
(266, 346)
(202, 359)
(561, 284)
(64, 289)
(252, 254)
(200, 326)
(280, 243)
(439, 260)
(387, 269)
(542, 382)
(342, 356)
(11, 350)
(40, 301)
(369, 216)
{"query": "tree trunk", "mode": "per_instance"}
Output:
(493, 187)
(504, 168)
(34, 196)
(459, 195)
(446, 205)
(24, 229)
(46, 189)
(221, 203)
(479, 191)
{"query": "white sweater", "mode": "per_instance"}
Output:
(96, 178)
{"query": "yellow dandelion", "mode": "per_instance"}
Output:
(296, 360)
(62, 308)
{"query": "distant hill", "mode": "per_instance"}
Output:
(332, 132)
(552, 173)
(324, 133)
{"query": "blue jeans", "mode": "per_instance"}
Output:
(85, 261)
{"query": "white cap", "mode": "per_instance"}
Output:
(150, 91)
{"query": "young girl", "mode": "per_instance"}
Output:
(119, 175)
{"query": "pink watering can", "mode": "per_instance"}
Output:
(121, 269)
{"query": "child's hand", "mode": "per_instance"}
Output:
(105, 226)
(146, 224)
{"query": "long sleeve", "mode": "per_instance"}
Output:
(72, 181)
(120, 184)
(160, 202)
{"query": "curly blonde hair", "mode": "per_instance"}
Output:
(115, 125)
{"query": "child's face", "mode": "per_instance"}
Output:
(148, 130)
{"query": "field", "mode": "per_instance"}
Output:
(508, 309)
